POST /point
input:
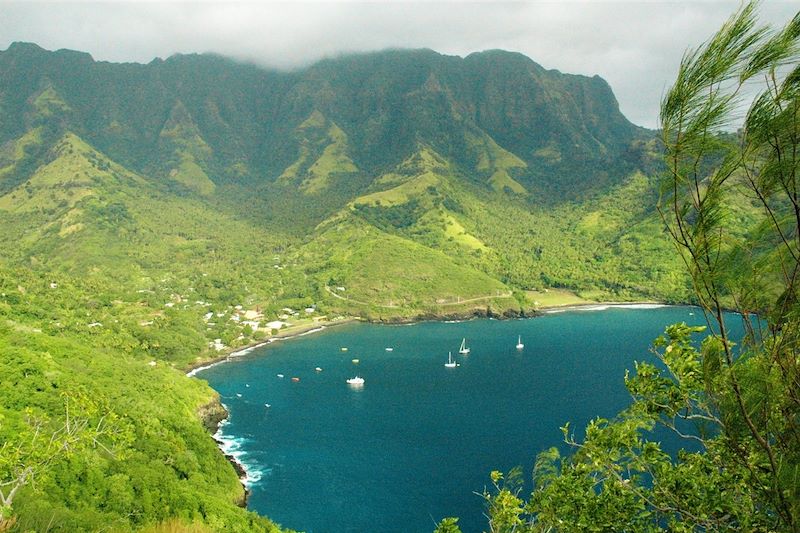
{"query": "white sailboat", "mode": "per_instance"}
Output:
(450, 362)
(463, 350)
(355, 381)
(519, 342)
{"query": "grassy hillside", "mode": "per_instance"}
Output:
(367, 271)
(609, 247)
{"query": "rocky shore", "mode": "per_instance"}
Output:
(212, 415)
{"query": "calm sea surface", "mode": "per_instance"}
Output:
(417, 440)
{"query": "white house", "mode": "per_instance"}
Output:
(252, 323)
(217, 344)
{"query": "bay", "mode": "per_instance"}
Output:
(418, 440)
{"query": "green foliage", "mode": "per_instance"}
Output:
(323, 155)
(482, 189)
(618, 480)
(758, 410)
(215, 122)
(34, 444)
(372, 266)
(448, 525)
(391, 217)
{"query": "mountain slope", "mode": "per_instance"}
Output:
(480, 165)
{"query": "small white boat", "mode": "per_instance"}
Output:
(318, 369)
(344, 349)
(463, 350)
(389, 349)
(450, 362)
(267, 405)
(356, 361)
(519, 343)
(238, 395)
(280, 376)
(355, 381)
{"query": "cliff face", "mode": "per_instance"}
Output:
(204, 120)
(212, 414)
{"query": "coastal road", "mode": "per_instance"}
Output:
(508, 294)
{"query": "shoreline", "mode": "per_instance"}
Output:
(195, 368)
(602, 306)
(289, 333)
(214, 414)
(230, 454)
(510, 314)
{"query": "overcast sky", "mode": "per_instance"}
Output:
(635, 46)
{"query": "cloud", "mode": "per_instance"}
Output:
(635, 46)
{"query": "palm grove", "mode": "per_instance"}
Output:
(738, 405)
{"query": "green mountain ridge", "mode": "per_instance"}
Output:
(245, 118)
(322, 157)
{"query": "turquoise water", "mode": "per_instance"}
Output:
(416, 442)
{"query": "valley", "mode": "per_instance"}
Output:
(156, 217)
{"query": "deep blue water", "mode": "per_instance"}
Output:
(416, 442)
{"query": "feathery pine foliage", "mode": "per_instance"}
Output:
(737, 406)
